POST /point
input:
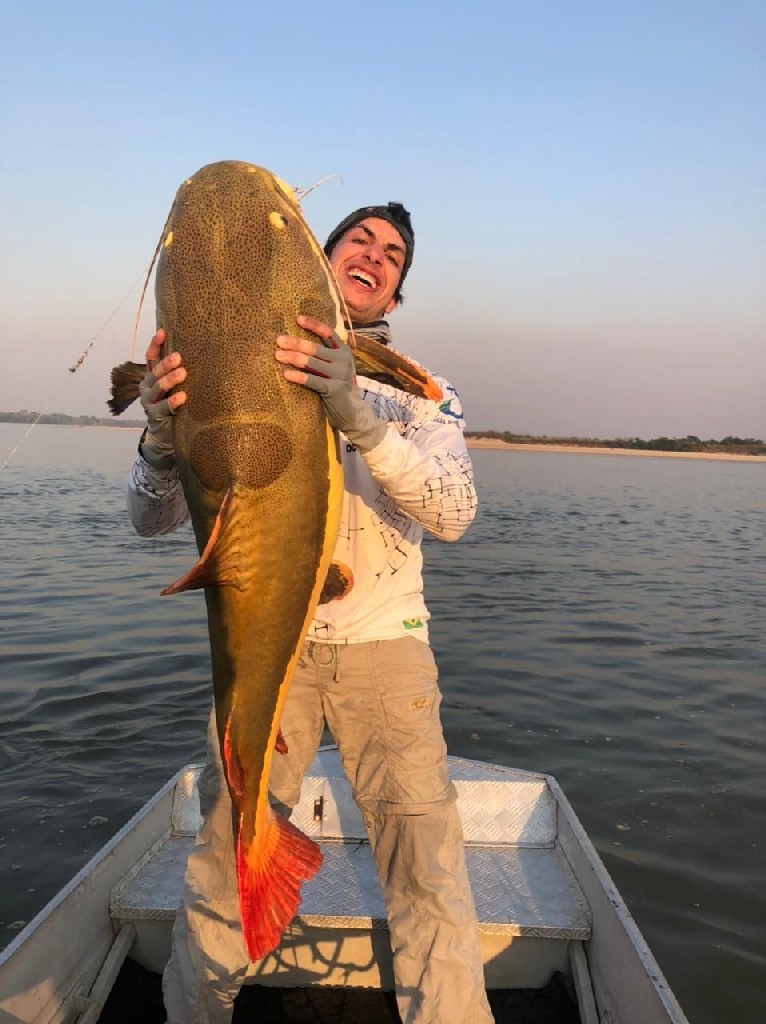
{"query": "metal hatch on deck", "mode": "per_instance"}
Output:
(522, 884)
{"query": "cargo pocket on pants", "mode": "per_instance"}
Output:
(415, 751)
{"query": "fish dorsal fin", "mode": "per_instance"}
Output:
(219, 564)
(380, 362)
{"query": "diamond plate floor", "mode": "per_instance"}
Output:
(517, 890)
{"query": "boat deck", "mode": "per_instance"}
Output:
(525, 892)
(137, 996)
(550, 916)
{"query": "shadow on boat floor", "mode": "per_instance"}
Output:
(137, 996)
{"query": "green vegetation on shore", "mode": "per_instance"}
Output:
(61, 419)
(727, 446)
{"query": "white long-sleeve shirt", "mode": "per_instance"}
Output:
(418, 477)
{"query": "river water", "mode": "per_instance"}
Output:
(603, 620)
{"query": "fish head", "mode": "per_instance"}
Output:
(238, 265)
(244, 228)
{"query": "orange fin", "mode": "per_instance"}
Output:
(219, 563)
(338, 583)
(280, 744)
(125, 380)
(269, 876)
(235, 775)
(373, 359)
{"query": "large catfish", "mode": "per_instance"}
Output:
(261, 474)
(262, 478)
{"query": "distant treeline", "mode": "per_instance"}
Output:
(24, 416)
(728, 445)
(691, 443)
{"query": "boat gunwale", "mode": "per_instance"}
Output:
(571, 838)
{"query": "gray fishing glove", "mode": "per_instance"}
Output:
(156, 444)
(332, 375)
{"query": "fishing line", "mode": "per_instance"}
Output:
(73, 369)
(163, 238)
(300, 193)
(32, 425)
(103, 327)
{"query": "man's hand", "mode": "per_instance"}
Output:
(329, 370)
(161, 375)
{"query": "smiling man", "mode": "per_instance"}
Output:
(371, 257)
(366, 669)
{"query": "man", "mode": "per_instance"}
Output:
(366, 668)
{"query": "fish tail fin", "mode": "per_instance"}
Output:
(269, 876)
(125, 380)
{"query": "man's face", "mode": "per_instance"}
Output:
(368, 261)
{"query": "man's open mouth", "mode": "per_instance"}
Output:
(362, 277)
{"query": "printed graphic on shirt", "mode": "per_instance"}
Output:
(450, 405)
(348, 534)
(322, 630)
(449, 492)
(159, 506)
(379, 539)
(394, 529)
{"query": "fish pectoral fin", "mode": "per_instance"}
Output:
(379, 362)
(269, 876)
(219, 564)
(338, 583)
(124, 390)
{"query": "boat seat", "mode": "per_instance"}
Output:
(522, 884)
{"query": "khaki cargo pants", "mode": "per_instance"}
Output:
(381, 703)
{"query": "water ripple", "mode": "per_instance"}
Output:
(602, 620)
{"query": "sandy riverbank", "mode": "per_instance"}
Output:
(570, 449)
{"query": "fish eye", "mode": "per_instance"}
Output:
(278, 220)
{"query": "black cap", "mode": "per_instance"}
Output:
(396, 215)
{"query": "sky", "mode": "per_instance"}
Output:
(586, 184)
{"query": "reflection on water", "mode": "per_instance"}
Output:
(602, 620)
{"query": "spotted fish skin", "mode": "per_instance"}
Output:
(261, 474)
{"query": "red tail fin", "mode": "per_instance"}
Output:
(269, 876)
